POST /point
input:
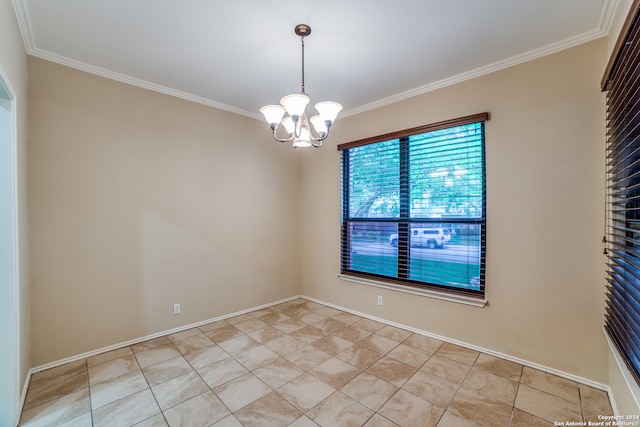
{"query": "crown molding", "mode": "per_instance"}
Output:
(82, 66)
(23, 24)
(28, 39)
(608, 12)
(478, 72)
(604, 23)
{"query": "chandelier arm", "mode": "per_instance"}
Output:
(280, 139)
(322, 137)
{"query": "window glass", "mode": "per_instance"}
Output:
(372, 249)
(414, 208)
(374, 181)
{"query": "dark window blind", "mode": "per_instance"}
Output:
(413, 206)
(622, 83)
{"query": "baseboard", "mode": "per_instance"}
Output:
(523, 362)
(60, 362)
(527, 363)
(23, 395)
(156, 335)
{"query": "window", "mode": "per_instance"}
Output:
(622, 319)
(413, 207)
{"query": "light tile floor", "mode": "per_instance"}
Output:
(303, 364)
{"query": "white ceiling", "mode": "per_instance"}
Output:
(241, 54)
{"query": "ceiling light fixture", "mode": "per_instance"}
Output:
(297, 123)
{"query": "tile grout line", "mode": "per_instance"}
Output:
(360, 371)
(150, 390)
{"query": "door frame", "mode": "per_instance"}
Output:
(15, 279)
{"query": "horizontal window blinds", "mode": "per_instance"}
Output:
(623, 202)
(414, 207)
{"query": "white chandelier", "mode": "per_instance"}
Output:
(297, 124)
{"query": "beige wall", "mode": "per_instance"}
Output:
(139, 200)
(13, 62)
(545, 195)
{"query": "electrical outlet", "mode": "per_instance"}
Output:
(176, 308)
(380, 301)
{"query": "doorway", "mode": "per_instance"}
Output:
(9, 344)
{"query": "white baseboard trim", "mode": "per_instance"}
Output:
(136, 341)
(23, 395)
(523, 362)
(156, 335)
(530, 364)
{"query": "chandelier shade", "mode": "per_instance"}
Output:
(273, 113)
(288, 124)
(295, 104)
(300, 130)
(328, 110)
(318, 124)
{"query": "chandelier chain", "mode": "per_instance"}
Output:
(302, 41)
